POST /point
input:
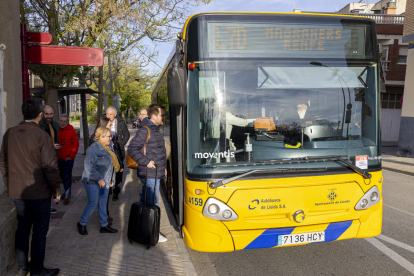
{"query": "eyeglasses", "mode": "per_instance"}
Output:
(107, 136)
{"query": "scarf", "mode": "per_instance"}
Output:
(113, 157)
(52, 132)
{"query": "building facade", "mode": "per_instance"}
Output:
(405, 144)
(10, 115)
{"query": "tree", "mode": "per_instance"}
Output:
(92, 106)
(113, 25)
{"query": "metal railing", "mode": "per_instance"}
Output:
(383, 18)
(385, 65)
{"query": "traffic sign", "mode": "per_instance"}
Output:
(39, 38)
(401, 100)
(66, 55)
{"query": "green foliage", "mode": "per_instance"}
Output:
(92, 120)
(92, 106)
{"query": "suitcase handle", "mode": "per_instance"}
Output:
(155, 185)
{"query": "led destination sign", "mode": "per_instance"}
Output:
(285, 40)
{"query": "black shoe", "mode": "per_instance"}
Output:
(66, 200)
(82, 229)
(114, 197)
(53, 210)
(48, 272)
(108, 229)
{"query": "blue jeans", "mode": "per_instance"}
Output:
(150, 191)
(36, 213)
(95, 199)
(65, 171)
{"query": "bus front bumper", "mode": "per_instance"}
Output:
(210, 235)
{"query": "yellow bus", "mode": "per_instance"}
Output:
(273, 129)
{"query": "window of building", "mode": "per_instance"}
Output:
(402, 59)
(402, 54)
(391, 101)
(384, 52)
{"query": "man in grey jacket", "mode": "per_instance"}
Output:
(122, 136)
(155, 154)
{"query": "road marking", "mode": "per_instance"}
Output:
(393, 255)
(395, 242)
(408, 213)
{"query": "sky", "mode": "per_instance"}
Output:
(164, 49)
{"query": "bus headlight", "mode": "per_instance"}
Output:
(370, 198)
(226, 214)
(374, 196)
(363, 203)
(212, 210)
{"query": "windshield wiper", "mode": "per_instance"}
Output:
(363, 173)
(230, 179)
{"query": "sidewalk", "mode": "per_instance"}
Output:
(111, 254)
(392, 162)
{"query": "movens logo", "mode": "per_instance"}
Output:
(205, 155)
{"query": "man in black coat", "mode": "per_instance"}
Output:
(120, 128)
(155, 154)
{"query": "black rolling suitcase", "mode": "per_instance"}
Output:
(144, 220)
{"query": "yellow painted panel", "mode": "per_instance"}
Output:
(205, 234)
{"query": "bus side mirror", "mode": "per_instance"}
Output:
(177, 86)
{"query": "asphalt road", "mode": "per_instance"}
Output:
(391, 253)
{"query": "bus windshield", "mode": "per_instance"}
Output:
(264, 91)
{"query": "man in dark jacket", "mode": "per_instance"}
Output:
(120, 128)
(50, 126)
(155, 154)
(28, 164)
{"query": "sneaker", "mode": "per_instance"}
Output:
(53, 210)
(162, 238)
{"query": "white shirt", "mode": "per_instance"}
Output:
(113, 126)
(302, 112)
(231, 121)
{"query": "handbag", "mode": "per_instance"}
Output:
(131, 162)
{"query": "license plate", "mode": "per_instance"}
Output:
(301, 238)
